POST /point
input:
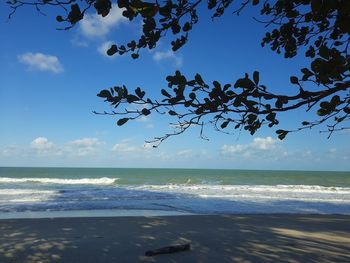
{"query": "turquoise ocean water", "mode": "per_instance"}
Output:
(173, 191)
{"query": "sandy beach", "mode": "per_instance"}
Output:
(234, 238)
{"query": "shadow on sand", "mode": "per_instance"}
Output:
(239, 238)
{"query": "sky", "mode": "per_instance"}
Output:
(49, 79)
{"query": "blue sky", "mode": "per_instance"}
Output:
(49, 81)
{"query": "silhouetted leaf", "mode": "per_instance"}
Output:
(75, 14)
(244, 83)
(186, 27)
(59, 19)
(134, 55)
(224, 124)
(104, 94)
(131, 98)
(199, 79)
(322, 112)
(165, 93)
(294, 80)
(112, 50)
(316, 5)
(211, 4)
(282, 136)
(335, 100)
(325, 105)
(256, 77)
(103, 7)
(226, 87)
(216, 84)
(146, 111)
(279, 103)
(139, 93)
(122, 121)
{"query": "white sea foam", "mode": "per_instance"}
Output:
(95, 181)
(277, 198)
(24, 191)
(201, 198)
(26, 195)
(255, 193)
(248, 188)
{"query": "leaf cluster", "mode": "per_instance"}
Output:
(319, 30)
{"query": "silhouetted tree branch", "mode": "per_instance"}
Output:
(319, 29)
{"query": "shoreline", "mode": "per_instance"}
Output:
(173, 168)
(90, 214)
(116, 213)
(213, 238)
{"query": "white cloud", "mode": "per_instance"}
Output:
(78, 42)
(79, 147)
(148, 146)
(94, 25)
(187, 153)
(264, 143)
(42, 144)
(168, 55)
(82, 147)
(143, 118)
(238, 148)
(306, 153)
(11, 150)
(346, 131)
(125, 147)
(147, 121)
(332, 151)
(258, 145)
(85, 142)
(41, 62)
(286, 153)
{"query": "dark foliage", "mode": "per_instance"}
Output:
(319, 28)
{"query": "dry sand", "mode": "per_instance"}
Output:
(238, 238)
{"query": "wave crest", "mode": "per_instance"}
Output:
(94, 181)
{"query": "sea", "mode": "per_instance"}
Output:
(47, 192)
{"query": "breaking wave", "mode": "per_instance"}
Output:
(93, 181)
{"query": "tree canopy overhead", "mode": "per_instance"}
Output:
(318, 29)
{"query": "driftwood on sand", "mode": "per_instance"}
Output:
(168, 249)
